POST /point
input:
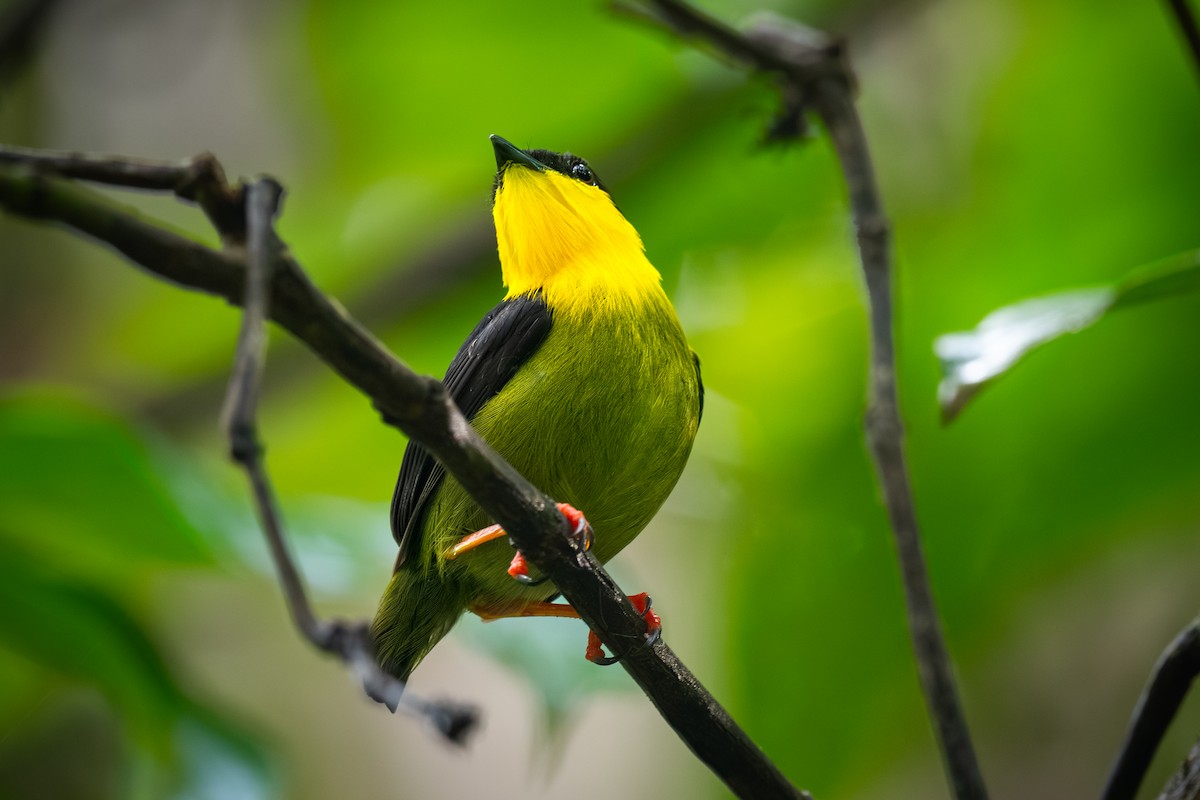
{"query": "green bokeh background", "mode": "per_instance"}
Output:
(1022, 147)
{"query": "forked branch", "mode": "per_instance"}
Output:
(35, 185)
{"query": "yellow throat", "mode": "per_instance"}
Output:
(567, 239)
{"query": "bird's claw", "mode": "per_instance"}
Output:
(519, 570)
(581, 533)
(643, 604)
(581, 529)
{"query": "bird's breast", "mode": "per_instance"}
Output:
(602, 416)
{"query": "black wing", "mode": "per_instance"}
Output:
(503, 341)
(700, 385)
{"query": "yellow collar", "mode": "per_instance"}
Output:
(567, 239)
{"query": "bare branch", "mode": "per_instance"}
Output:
(351, 642)
(199, 179)
(814, 74)
(421, 407)
(1173, 675)
(241, 402)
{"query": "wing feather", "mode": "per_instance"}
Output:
(502, 341)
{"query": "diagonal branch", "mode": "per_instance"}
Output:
(814, 74)
(1173, 676)
(421, 407)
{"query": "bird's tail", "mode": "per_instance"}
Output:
(416, 611)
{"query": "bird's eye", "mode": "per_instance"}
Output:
(580, 172)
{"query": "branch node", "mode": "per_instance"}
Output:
(809, 52)
(202, 171)
(244, 445)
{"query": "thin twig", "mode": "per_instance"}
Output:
(815, 74)
(885, 436)
(199, 179)
(421, 407)
(241, 401)
(1173, 676)
(132, 173)
(351, 642)
(1188, 27)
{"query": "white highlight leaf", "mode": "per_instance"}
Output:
(971, 360)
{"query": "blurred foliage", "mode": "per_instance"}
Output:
(1022, 148)
(85, 517)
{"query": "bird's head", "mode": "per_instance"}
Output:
(559, 232)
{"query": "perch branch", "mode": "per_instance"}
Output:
(813, 73)
(421, 407)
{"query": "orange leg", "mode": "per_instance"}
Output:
(519, 568)
(490, 613)
(595, 651)
(473, 540)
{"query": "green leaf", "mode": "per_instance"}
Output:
(973, 359)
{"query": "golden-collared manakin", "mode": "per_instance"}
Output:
(581, 378)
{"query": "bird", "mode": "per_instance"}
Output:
(581, 378)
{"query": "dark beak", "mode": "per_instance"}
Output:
(509, 153)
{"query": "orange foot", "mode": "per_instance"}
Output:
(519, 568)
(642, 602)
(581, 531)
(595, 651)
